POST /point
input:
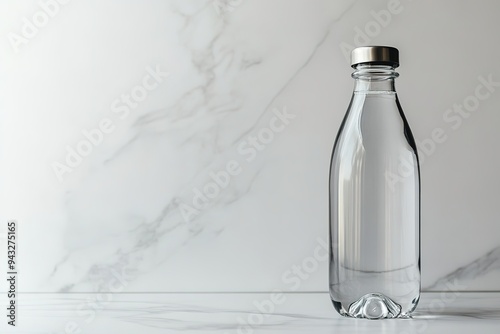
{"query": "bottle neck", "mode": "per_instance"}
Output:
(374, 78)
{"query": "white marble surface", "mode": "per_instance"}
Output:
(238, 313)
(230, 68)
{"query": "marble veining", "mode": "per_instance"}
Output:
(194, 122)
(488, 263)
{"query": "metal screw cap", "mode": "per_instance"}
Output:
(375, 55)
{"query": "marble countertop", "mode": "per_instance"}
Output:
(438, 312)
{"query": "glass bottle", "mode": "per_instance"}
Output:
(375, 197)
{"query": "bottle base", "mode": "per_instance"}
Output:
(373, 306)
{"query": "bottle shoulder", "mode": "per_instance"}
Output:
(374, 125)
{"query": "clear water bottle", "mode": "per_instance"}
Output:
(375, 197)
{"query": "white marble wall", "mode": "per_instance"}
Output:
(228, 72)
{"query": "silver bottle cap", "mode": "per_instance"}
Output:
(376, 55)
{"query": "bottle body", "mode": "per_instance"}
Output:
(374, 204)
